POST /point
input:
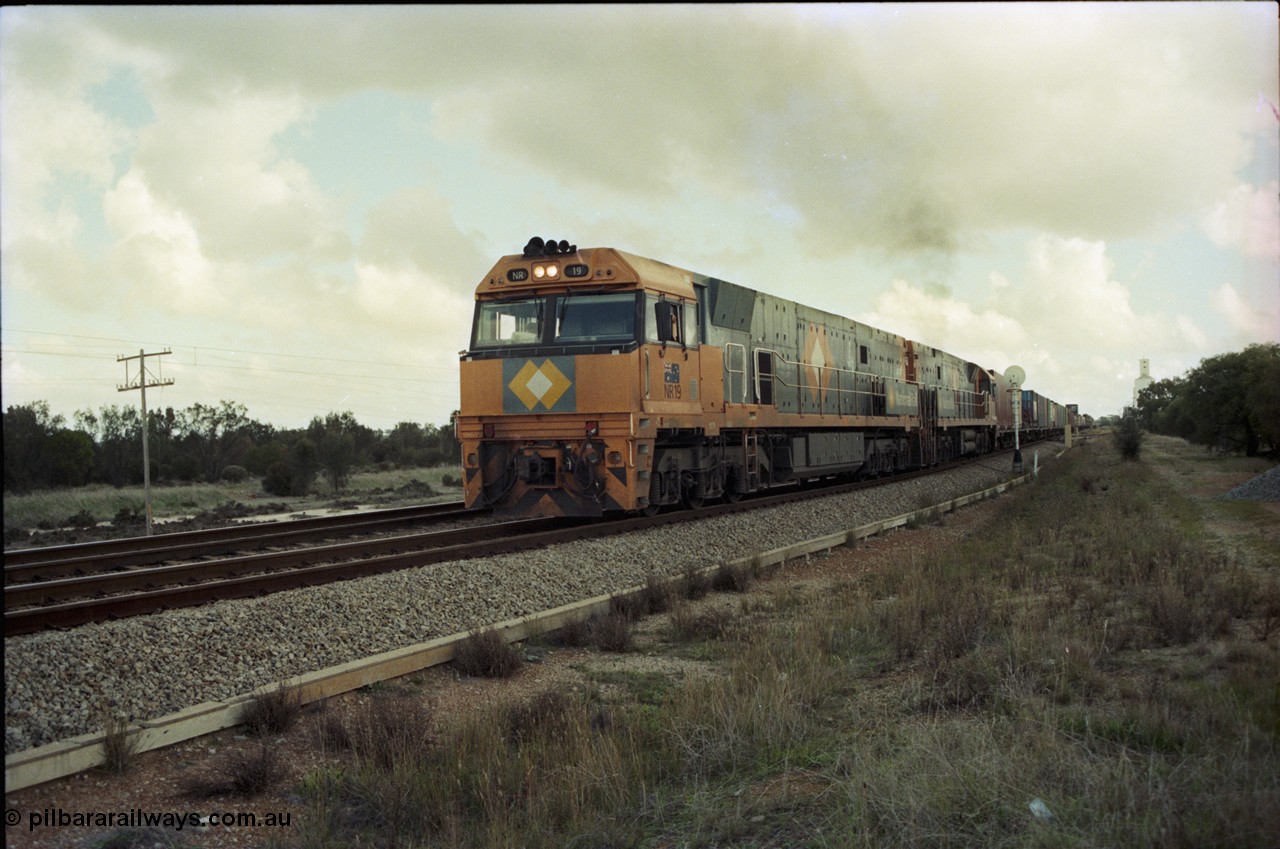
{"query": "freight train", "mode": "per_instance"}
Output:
(596, 380)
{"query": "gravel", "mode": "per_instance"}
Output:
(1265, 487)
(59, 684)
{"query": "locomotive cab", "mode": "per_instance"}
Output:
(569, 349)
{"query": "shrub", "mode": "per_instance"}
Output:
(575, 633)
(612, 633)
(82, 519)
(656, 595)
(272, 712)
(694, 585)
(235, 474)
(332, 733)
(708, 625)
(278, 480)
(1129, 437)
(631, 605)
(551, 712)
(250, 773)
(390, 731)
(130, 515)
(732, 578)
(485, 654)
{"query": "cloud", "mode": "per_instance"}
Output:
(1060, 319)
(158, 253)
(415, 229)
(1247, 220)
(1251, 321)
(900, 128)
(215, 161)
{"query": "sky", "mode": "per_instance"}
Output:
(298, 202)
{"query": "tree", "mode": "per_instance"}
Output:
(1228, 398)
(27, 430)
(303, 463)
(341, 443)
(217, 436)
(118, 432)
(336, 452)
(1262, 392)
(69, 458)
(1230, 402)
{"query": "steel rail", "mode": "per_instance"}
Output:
(28, 564)
(101, 585)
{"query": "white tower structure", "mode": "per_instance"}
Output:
(1144, 379)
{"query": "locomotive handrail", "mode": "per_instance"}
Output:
(729, 347)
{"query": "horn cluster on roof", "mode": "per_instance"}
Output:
(550, 247)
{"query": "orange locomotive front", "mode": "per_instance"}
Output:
(576, 358)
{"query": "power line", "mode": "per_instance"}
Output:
(256, 369)
(198, 348)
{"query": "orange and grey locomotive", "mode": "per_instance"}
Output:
(596, 380)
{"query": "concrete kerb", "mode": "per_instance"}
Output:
(77, 754)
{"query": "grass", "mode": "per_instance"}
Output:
(1089, 649)
(51, 508)
(120, 749)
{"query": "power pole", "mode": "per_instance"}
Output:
(142, 382)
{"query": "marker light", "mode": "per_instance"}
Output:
(489, 431)
(593, 428)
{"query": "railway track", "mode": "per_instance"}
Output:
(67, 591)
(28, 564)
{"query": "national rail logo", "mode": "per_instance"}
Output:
(545, 384)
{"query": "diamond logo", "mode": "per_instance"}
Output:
(544, 384)
(818, 355)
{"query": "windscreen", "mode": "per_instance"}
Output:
(596, 318)
(505, 323)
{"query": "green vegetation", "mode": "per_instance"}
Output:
(209, 444)
(1086, 669)
(1230, 402)
(1129, 436)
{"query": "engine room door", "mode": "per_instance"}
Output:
(764, 377)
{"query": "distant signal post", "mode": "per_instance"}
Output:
(1016, 377)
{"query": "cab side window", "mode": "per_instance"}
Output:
(670, 320)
